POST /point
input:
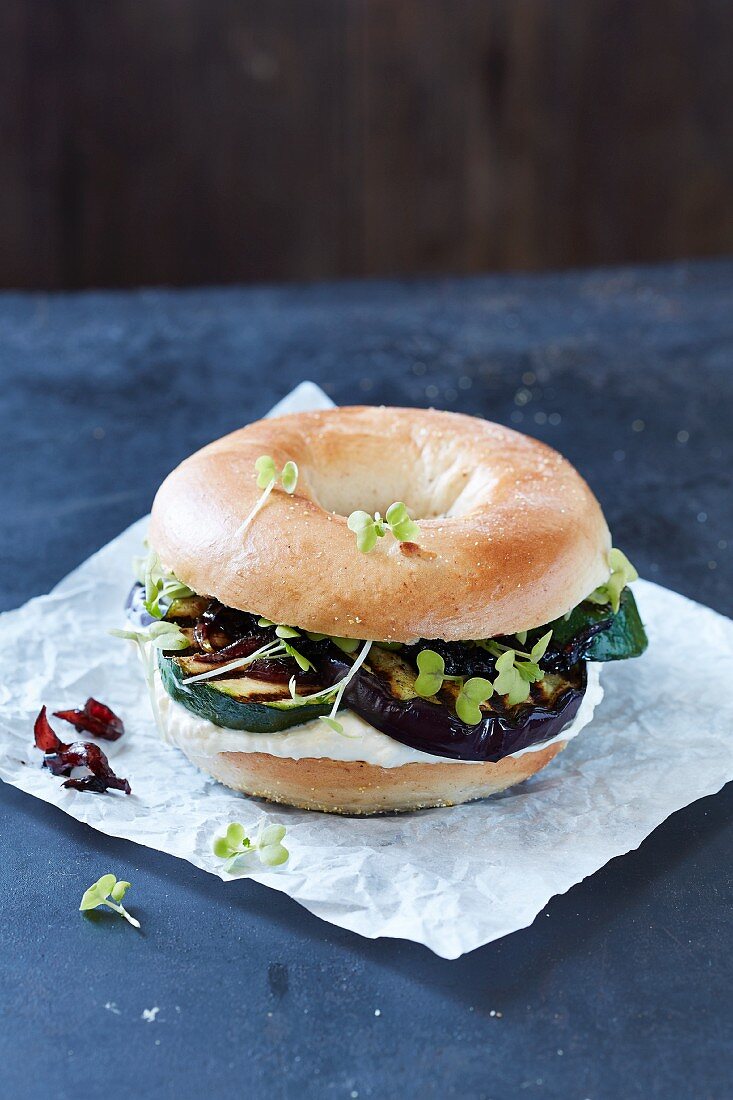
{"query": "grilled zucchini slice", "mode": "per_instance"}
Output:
(239, 703)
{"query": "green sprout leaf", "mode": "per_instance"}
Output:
(266, 471)
(161, 635)
(281, 631)
(473, 693)
(119, 890)
(431, 673)
(301, 661)
(366, 528)
(332, 723)
(402, 527)
(159, 584)
(622, 573)
(346, 645)
(520, 692)
(267, 845)
(370, 528)
(109, 892)
(273, 855)
(268, 477)
(289, 477)
(510, 681)
(540, 647)
(286, 632)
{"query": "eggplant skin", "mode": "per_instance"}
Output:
(435, 728)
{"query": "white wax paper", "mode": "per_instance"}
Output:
(452, 879)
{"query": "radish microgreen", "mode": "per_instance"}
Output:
(160, 635)
(108, 891)
(472, 693)
(368, 529)
(622, 572)
(346, 645)
(268, 477)
(270, 649)
(516, 671)
(236, 843)
(336, 690)
(159, 584)
(330, 719)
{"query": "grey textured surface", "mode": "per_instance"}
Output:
(622, 986)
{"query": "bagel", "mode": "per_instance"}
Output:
(511, 535)
(511, 558)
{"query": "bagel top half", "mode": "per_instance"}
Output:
(511, 536)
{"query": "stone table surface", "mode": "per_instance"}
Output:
(621, 987)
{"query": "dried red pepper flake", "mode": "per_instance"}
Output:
(61, 759)
(94, 718)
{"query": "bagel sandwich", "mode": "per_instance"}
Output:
(362, 610)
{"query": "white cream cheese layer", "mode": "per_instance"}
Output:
(359, 741)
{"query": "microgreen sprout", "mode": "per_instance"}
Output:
(267, 844)
(270, 649)
(431, 673)
(622, 572)
(108, 891)
(283, 632)
(346, 645)
(268, 477)
(280, 630)
(335, 692)
(473, 693)
(158, 635)
(159, 584)
(330, 719)
(368, 529)
(516, 671)
(301, 661)
(161, 635)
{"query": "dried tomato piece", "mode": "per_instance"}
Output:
(97, 784)
(84, 754)
(46, 739)
(61, 759)
(94, 718)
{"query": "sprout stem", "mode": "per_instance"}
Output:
(260, 504)
(123, 912)
(270, 649)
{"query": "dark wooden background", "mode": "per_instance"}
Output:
(197, 141)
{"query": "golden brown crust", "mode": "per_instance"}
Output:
(355, 787)
(511, 535)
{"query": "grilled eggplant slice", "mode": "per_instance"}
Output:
(383, 694)
(236, 702)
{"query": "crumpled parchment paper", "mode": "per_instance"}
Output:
(658, 741)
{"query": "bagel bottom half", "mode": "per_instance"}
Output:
(355, 787)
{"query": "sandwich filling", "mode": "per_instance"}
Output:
(252, 683)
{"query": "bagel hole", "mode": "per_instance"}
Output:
(374, 488)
